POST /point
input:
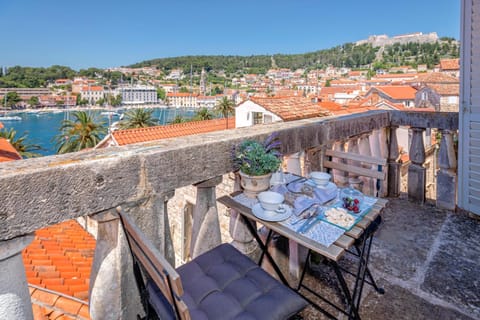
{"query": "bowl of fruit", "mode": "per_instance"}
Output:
(351, 199)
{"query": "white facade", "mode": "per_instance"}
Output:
(138, 95)
(249, 113)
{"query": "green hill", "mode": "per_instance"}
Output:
(347, 55)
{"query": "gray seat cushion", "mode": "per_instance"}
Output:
(225, 284)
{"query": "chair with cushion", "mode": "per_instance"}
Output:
(221, 284)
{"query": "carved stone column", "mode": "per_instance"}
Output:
(14, 295)
(416, 170)
(206, 227)
(447, 175)
(393, 164)
(113, 291)
(242, 238)
(369, 184)
(293, 163)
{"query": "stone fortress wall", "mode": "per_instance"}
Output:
(384, 40)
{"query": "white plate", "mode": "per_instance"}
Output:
(258, 212)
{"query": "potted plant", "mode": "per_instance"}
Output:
(256, 162)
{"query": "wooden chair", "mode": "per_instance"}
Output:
(219, 284)
(357, 165)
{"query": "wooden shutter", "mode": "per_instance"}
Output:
(469, 151)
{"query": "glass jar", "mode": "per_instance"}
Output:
(351, 199)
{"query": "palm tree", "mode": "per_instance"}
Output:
(138, 118)
(225, 107)
(82, 132)
(179, 119)
(203, 114)
(26, 150)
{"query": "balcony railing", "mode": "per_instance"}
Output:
(142, 178)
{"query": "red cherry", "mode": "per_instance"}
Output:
(356, 210)
(356, 201)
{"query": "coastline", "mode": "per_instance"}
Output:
(86, 108)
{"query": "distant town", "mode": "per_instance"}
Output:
(394, 76)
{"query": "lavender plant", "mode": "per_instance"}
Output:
(255, 159)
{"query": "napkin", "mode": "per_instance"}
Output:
(302, 203)
(325, 194)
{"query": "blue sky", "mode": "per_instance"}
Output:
(107, 33)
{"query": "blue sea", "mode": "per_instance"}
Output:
(42, 127)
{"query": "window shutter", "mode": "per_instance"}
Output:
(469, 151)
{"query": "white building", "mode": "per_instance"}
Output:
(92, 93)
(138, 94)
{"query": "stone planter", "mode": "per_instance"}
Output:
(253, 185)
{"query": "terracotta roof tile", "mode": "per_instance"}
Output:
(450, 64)
(7, 151)
(398, 92)
(291, 108)
(434, 77)
(446, 89)
(129, 136)
(47, 305)
(59, 259)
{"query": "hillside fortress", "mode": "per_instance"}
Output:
(384, 40)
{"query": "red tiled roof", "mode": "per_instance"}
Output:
(60, 258)
(181, 94)
(8, 152)
(92, 88)
(291, 108)
(47, 304)
(398, 92)
(450, 64)
(129, 136)
(446, 89)
(395, 75)
(435, 77)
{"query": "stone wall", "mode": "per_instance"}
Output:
(180, 209)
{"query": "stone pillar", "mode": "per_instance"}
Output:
(113, 291)
(340, 177)
(14, 295)
(151, 216)
(293, 163)
(447, 175)
(296, 252)
(416, 170)
(383, 143)
(206, 226)
(393, 164)
(369, 184)
(314, 160)
(242, 238)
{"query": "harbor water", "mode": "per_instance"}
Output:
(42, 127)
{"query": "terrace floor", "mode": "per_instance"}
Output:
(426, 259)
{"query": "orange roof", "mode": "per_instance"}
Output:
(435, 77)
(291, 108)
(1, 125)
(129, 136)
(450, 64)
(8, 152)
(446, 89)
(395, 75)
(398, 92)
(49, 305)
(60, 259)
(181, 94)
(92, 88)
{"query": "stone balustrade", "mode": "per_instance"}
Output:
(142, 178)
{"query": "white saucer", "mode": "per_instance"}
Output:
(258, 212)
(329, 185)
